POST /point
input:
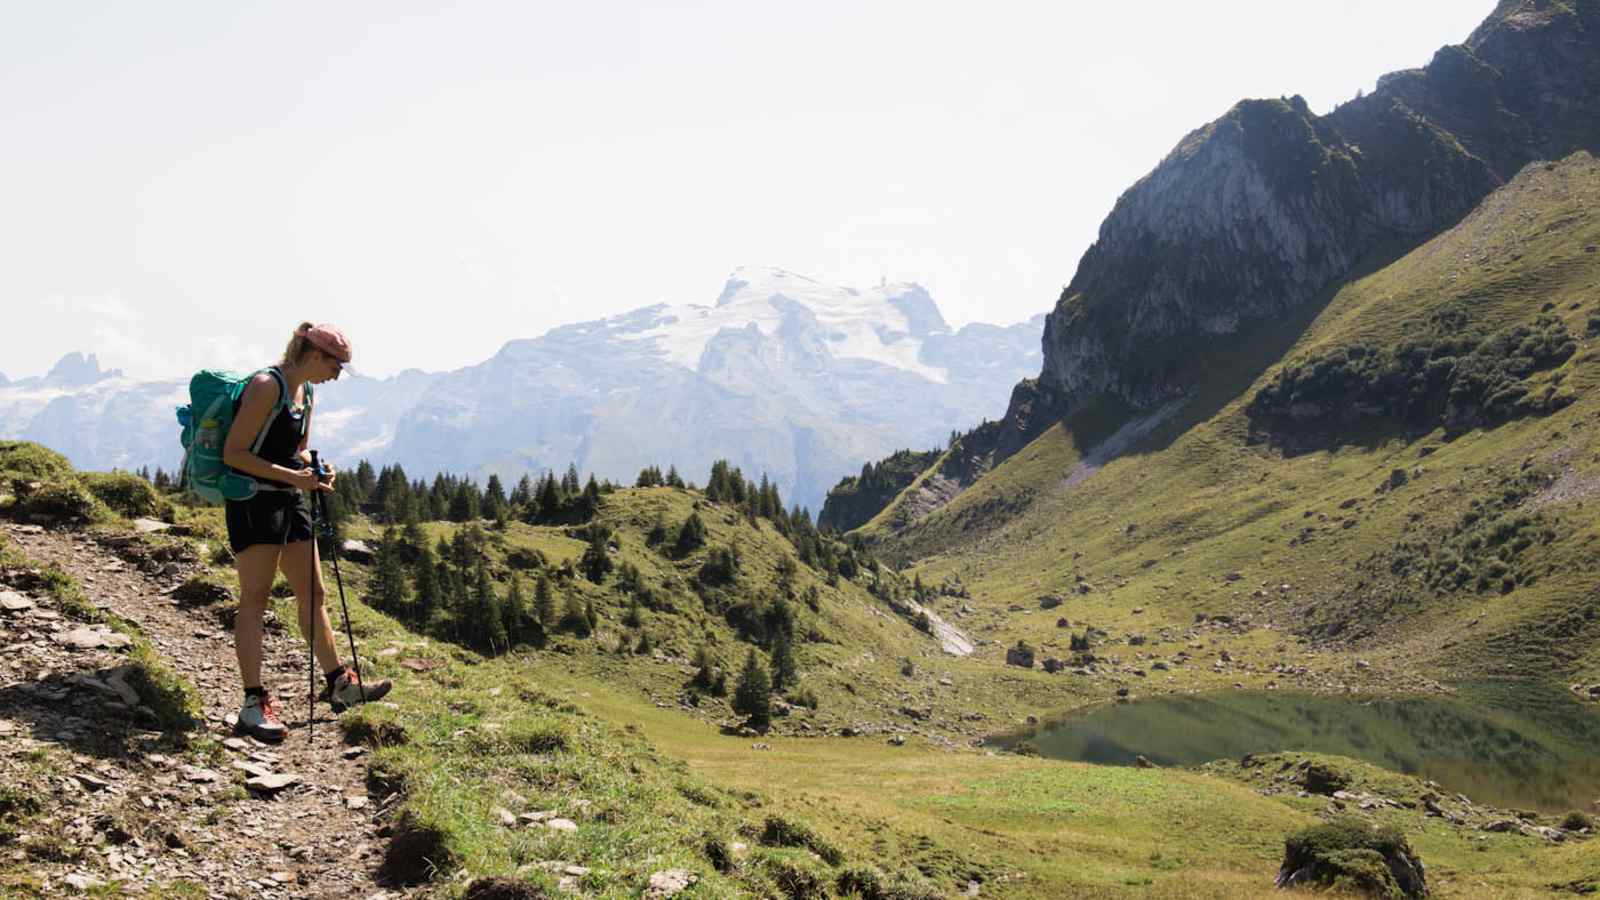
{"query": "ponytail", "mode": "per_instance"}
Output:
(299, 345)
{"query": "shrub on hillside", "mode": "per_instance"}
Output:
(721, 566)
(33, 460)
(127, 494)
(777, 831)
(691, 537)
(1346, 854)
(1447, 374)
(64, 500)
(796, 878)
(871, 883)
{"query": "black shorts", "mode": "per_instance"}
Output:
(270, 517)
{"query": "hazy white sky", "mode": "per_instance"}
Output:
(182, 182)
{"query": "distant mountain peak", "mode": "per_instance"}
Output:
(78, 369)
(886, 324)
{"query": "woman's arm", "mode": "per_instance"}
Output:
(259, 400)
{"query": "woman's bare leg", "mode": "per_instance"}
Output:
(256, 565)
(300, 564)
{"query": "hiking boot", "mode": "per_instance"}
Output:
(347, 690)
(258, 718)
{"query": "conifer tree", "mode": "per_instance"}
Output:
(691, 537)
(522, 494)
(576, 619)
(426, 581)
(413, 538)
(486, 621)
(752, 695)
(590, 617)
(785, 671)
(495, 504)
(389, 592)
(658, 532)
(544, 602)
(549, 500)
(673, 478)
(596, 562)
(366, 479)
(517, 615)
(589, 502)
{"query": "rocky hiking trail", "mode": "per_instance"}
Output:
(119, 802)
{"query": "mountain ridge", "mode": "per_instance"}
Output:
(784, 375)
(1257, 216)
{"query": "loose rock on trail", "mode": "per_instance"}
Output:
(119, 801)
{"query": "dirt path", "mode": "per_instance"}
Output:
(126, 804)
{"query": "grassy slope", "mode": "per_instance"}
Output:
(1162, 527)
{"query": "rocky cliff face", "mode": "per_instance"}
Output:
(1263, 209)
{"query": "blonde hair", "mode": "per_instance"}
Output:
(299, 346)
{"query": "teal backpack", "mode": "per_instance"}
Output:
(212, 396)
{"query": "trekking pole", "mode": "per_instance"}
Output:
(311, 640)
(349, 630)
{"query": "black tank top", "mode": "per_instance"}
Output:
(282, 444)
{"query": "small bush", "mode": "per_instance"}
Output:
(127, 494)
(1576, 821)
(65, 500)
(1346, 854)
(538, 736)
(870, 883)
(33, 460)
(780, 832)
(798, 879)
(417, 853)
(177, 707)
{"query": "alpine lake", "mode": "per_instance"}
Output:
(1508, 744)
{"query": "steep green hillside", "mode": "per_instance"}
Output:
(856, 499)
(1403, 472)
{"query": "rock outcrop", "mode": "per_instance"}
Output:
(1262, 210)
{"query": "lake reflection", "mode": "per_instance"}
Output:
(1523, 746)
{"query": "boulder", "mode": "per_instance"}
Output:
(358, 552)
(1053, 665)
(1021, 656)
(1050, 601)
(92, 639)
(670, 882)
(1322, 779)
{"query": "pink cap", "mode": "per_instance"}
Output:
(329, 340)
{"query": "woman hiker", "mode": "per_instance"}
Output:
(272, 531)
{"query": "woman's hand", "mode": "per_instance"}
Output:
(306, 480)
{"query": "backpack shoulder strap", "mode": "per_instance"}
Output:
(283, 401)
(305, 416)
